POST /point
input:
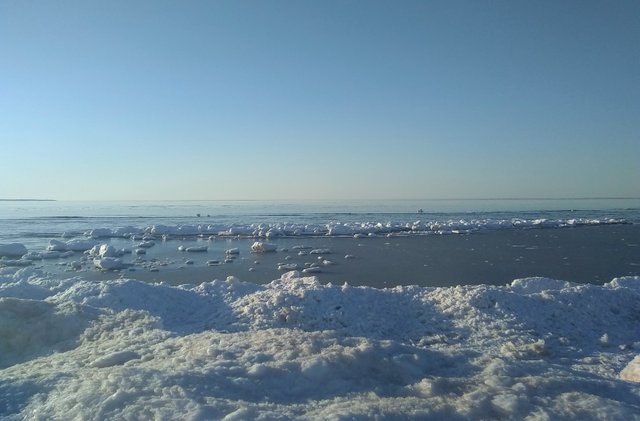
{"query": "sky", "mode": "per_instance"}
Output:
(225, 100)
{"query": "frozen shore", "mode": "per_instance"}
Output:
(294, 348)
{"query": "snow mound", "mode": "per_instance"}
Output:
(299, 349)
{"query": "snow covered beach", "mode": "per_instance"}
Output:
(78, 341)
(295, 348)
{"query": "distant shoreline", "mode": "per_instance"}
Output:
(27, 200)
(437, 199)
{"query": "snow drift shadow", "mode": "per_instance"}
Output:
(32, 328)
(315, 366)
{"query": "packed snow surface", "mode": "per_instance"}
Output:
(123, 349)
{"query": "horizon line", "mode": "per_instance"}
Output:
(336, 200)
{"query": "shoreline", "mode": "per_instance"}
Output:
(590, 254)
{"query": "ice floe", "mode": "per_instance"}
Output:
(108, 263)
(12, 250)
(262, 247)
(320, 251)
(193, 249)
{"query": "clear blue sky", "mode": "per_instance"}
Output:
(324, 99)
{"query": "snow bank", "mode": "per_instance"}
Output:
(296, 348)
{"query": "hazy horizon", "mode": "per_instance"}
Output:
(374, 199)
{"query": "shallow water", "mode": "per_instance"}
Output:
(455, 242)
(585, 254)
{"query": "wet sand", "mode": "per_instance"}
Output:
(585, 254)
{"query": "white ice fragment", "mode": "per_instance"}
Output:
(604, 340)
(57, 245)
(232, 280)
(94, 251)
(50, 254)
(235, 250)
(80, 245)
(106, 250)
(117, 358)
(32, 255)
(12, 250)
(196, 249)
(140, 251)
(262, 247)
(320, 251)
(339, 229)
(108, 263)
(312, 269)
(100, 233)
